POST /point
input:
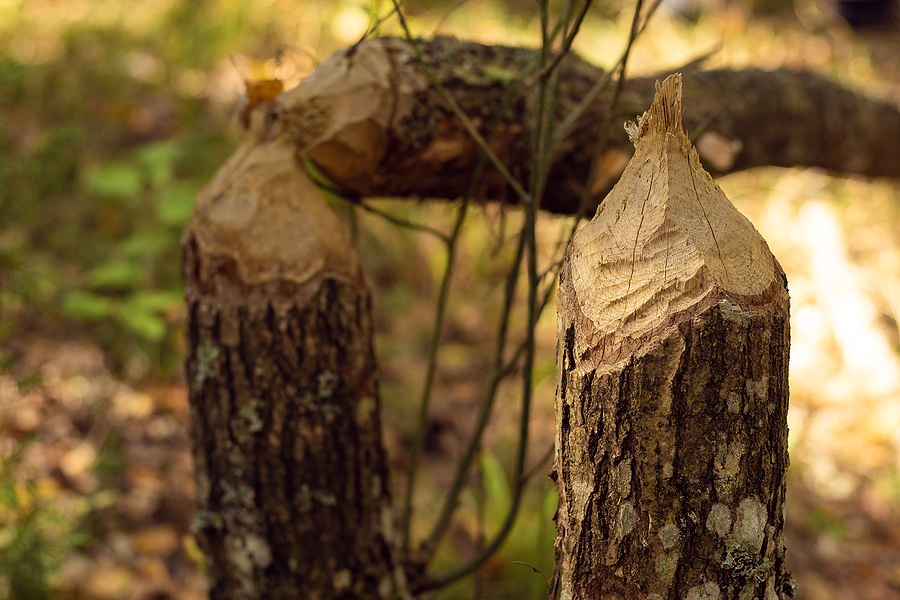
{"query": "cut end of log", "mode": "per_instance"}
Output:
(340, 115)
(664, 245)
(664, 115)
(263, 220)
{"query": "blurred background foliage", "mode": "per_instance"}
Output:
(114, 114)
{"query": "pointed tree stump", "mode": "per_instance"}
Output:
(672, 395)
(292, 479)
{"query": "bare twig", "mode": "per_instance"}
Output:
(565, 127)
(443, 295)
(496, 376)
(401, 222)
(498, 373)
(567, 42)
(374, 23)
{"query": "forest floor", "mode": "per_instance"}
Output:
(112, 460)
(116, 461)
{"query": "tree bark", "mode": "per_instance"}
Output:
(375, 124)
(292, 480)
(672, 371)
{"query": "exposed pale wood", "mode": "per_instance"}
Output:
(262, 213)
(672, 391)
(662, 242)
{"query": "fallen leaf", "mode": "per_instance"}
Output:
(162, 539)
(258, 92)
(78, 460)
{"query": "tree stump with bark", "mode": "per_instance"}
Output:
(672, 397)
(292, 480)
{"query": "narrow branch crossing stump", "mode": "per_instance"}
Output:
(672, 396)
(292, 479)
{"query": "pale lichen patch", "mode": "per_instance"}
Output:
(386, 521)
(622, 474)
(704, 591)
(727, 466)
(245, 553)
(206, 518)
(746, 563)
(582, 495)
(719, 519)
(250, 414)
(732, 311)
(626, 520)
(666, 565)
(385, 587)
(241, 496)
(327, 383)
(669, 535)
(342, 580)
(758, 388)
(750, 523)
(207, 355)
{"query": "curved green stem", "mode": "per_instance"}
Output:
(401, 222)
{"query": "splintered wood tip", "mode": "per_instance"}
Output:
(664, 115)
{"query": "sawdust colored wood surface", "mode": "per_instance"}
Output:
(664, 241)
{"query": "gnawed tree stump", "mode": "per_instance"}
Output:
(672, 392)
(292, 480)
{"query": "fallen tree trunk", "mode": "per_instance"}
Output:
(375, 124)
(292, 480)
(672, 397)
